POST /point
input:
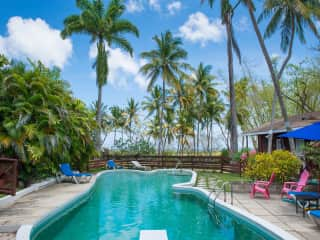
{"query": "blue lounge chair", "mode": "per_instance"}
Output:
(75, 176)
(112, 165)
(315, 216)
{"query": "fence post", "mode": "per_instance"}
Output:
(221, 164)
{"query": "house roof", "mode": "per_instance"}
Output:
(296, 122)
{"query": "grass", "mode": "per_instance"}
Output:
(225, 177)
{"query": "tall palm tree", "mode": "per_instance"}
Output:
(203, 86)
(164, 62)
(131, 111)
(292, 16)
(227, 11)
(103, 24)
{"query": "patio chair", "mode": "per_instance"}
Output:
(295, 186)
(315, 216)
(138, 166)
(112, 165)
(75, 176)
(262, 187)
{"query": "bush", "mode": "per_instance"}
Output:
(283, 163)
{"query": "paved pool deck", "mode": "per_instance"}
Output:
(34, 206)
(280, 213)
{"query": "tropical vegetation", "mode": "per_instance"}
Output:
(41, 122)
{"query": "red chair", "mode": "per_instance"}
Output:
(262, 187)
(295, 186)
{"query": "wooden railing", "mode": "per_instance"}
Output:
(216, 163)
(8, 175)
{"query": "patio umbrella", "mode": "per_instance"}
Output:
(310, 132)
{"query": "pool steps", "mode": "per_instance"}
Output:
(153, 235)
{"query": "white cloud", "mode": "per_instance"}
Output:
(35, 39)
(134, 6)
(174, 7)
(122, 67)
(154, 4)
(199, 28)
(242, 25)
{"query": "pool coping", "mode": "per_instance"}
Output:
(25, 231)
(9, 200)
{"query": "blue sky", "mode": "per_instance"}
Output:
(31, 29)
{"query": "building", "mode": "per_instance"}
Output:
(298, 121)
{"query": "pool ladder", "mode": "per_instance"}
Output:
(218, 190)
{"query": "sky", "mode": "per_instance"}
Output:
(31, 29)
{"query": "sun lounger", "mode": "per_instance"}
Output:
(137, 165)
(112, 165)
(315, 216)
(75, 176)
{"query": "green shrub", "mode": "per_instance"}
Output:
(283, 163)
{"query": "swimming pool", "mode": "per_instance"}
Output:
(121, 203)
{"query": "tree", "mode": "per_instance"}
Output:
(292, 16)
(203, 87)
(103, 25)
(41, 123)
(227, 11)
(152, 104)
(164, 62)
(132, 115)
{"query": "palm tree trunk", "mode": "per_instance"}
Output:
(270, 139)
(161, 147)
(275, 79)
(233, 130)
(98, 119)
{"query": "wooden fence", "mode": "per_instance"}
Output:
(216, 163)
(8, 175)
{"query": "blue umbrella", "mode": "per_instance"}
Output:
(311, 132)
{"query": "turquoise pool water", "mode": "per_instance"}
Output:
(123, 203)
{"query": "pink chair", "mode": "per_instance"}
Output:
(295, 186)
(262, 187)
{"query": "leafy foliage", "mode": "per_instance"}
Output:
(283, 163)
(41, 123)
(139, 146)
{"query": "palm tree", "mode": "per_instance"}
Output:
(203, 86)
(117, 119)
(227, 11)
(292, 16)
(164, 62)
(152, 105)
(132, 115)
(103, 25)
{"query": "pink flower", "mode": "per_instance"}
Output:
(243, 156)
(253, 152)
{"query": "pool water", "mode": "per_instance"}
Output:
(123, 203)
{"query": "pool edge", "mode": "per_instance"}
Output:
(24, 232)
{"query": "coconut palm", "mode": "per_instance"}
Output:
(227, 11)
(292, 16)
(152, 105)
(131, 111)
(203, 86)
(165, 62)
(103, 24)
